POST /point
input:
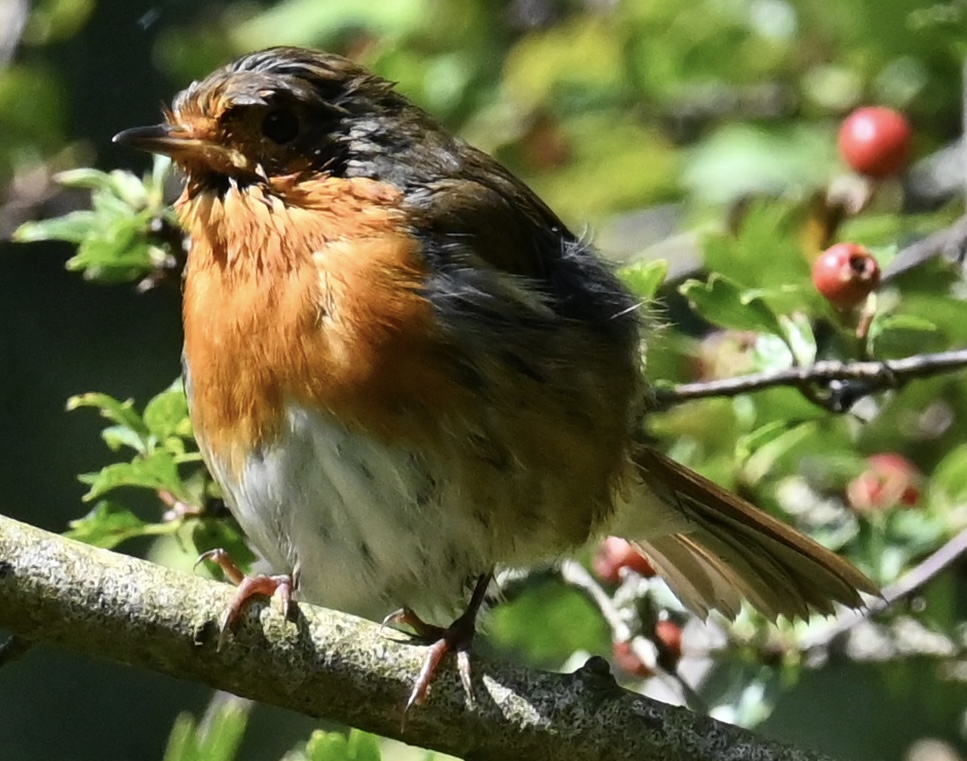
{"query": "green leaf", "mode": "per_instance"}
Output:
(122, 413)
(108, 524)
(156, 470)
(363, 746)
(765, 253)
(786, 299)
(746, 445)
(182, 743)
(116, 249)
(122, 185)
(114, 242)
(770, 444)
(216, 738)
(220, 734)
(167, 413)
(948, 483)
(797, 331)
(73, 228)
(335, 746)
(723, 302)
(216, 533)
(119, 436)
(327, 746)
(571, 623)
(85, 177)
(645, 278)
(899, 335)
(770, 353)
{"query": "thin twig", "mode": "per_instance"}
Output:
(949, 243)
(877, 376)
(575, 574)
(916, 578)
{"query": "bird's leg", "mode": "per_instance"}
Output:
(280, 586)
(457, 637)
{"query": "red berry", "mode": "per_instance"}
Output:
(669, 636)
(845, 274)
(875, 141)
(626, 660)
(615, 553)
(890, 480)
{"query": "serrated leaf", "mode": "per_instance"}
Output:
(109, 524)
(766, 250)
(111, 209)
(723, 302)
(785, 299)
(645, 278)
(116, 250)
(155, 471)
(129, 188)
(122, 413)
(84, 177)
(166, 414)
(119, 436)
(73, 228)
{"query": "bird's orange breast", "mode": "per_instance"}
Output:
(310, 293)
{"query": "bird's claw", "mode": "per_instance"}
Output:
(279, 587)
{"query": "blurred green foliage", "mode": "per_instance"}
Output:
(698, 136)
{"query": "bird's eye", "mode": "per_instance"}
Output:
(280, 126)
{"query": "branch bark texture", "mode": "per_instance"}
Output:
(891, 373)
(326, 664)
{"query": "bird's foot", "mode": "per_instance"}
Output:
(456, 638)
(259, 585)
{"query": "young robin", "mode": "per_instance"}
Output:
(404, 370)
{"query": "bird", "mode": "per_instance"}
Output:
(404, 371)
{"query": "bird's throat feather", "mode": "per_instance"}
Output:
(309, 293)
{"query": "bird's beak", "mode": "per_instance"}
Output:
(161, 138)
(184, 147)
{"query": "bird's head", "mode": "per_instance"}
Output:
(277, 112)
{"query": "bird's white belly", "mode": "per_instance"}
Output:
(364, 525)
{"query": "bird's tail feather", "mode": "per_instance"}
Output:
(726, 550)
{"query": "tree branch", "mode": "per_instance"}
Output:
(327, 664)
(912, 581)
(876, 376)
(949, 243)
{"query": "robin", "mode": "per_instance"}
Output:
(404, 371)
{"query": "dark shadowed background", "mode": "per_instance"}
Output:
(640, 118)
